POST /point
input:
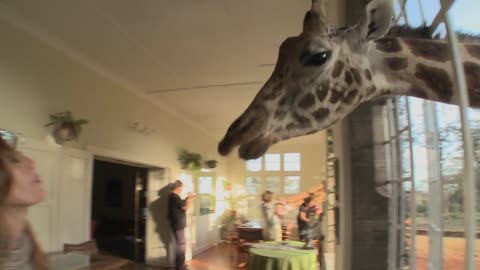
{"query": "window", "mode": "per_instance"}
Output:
(292, 185)
(272, 162)
(253, 185)
(272, 183)
(254, 165)
(205, 185)
(291, 162)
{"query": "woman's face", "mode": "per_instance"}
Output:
(26, 187)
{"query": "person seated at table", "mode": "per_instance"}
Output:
(20, 188)
(273, 226)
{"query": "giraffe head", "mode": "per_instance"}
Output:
(320, 76)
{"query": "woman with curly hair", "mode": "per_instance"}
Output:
(20, 188)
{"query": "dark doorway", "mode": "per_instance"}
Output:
(118, 203)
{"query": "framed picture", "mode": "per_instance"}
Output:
(10, 137)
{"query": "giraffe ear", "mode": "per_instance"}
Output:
(378, 19)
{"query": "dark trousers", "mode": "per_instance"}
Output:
(180, 249)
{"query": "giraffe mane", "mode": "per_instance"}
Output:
(423, 32)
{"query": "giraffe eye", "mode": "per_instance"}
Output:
(316, 59)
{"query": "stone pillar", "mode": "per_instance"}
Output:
(369, 209)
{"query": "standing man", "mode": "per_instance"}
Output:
(177, 209)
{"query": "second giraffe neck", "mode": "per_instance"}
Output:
(423, 68)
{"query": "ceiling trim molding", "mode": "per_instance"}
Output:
(166, 90)
(14, 19)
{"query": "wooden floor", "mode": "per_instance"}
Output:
(220, 257)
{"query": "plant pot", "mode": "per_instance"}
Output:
(211, 164)
(65, 133)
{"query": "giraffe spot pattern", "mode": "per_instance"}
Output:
(307, 101)
(371, 90)
(436, 79)
(274, 92)
(348, 78)
(368, 74)
(431, 50)
(389, 45)
(291, 126)
(322, 91)
(337, 69)
(418, 92)
(473, 50)
(336, 96)
(302, 121)
(280, 114)
(356, 76)
(321, 114)
(472, 72)
(350, 96)
(397, 63)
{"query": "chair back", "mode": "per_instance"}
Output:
(89, 247)
(250, 234)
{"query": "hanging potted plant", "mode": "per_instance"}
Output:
(66, 128)
(190, 160)
(210, 164)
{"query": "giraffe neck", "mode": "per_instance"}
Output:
(423, 68)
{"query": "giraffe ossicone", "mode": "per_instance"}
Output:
(324, 73)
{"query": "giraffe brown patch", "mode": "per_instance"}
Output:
(274, 92)
(473, 50)
(371, 90)
(348, 78)
(397, 63)
(337, 69)
(280, 114)
(472, 72)
(350, 96)
(432, 50)
(302, 121)
(291, 126)
(418, 92)
(437, 80)
(356, 76)
(322, 91)
(321, 114)
(336, 96)
(368, 74)
(307, 101)
(389, 45)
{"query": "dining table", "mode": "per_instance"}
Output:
(84, 261)
(282, 255)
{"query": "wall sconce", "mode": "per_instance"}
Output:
(141, 128)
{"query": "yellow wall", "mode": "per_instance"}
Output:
(37, 80)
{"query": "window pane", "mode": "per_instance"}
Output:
(205, 185)
(291, 162)
(272, 183)
(254, 165)
(253, 185)
(292, 185)
(272, 162)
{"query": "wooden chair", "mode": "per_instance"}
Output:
(90, 248)
(247, 237)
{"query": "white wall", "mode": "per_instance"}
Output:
(36, 80)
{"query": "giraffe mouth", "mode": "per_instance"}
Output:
(249, 133)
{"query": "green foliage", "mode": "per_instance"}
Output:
(65, 120)
(190, 160)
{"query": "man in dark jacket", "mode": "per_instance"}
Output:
(177, 209)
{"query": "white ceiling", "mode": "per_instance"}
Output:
(155, 45)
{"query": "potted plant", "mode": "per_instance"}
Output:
(211, 164)
(190, 160)
(66, 128)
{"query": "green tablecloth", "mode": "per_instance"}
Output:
(264, 258)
